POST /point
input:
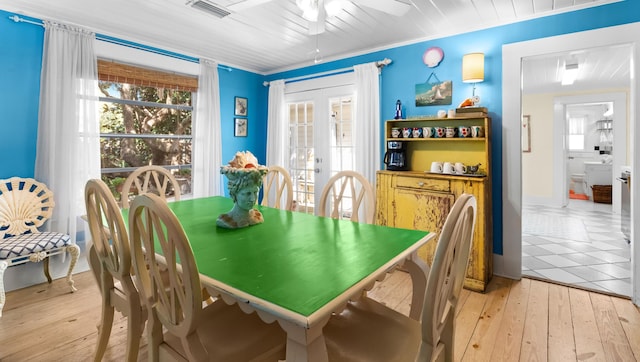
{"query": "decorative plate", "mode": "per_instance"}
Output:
(432, 57)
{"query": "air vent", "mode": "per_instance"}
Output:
(208, 7)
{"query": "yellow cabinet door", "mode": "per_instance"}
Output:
(422, 210)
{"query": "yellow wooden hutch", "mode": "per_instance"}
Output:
(419, 199)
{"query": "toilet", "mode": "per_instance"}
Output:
(577, 183)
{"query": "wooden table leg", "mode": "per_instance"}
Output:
(305, 344)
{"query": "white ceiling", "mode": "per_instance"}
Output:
(598, 68)
(271, 35)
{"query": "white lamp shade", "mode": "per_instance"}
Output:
(473, 68)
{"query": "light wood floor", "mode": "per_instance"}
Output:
(525, 320)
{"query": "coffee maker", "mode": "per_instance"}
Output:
(396, 156)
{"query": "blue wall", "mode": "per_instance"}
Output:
(399, 78)
(20, 60)
(248, 85)
(20, 64)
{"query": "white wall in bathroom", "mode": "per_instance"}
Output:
(537, 166)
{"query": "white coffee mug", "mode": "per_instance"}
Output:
(464, 131)
(436, 167)
(452, 113)
(428, 132)
(477, 131)
(460, 168)
(447, 167)
(450, 132)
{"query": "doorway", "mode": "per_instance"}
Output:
(321, 141)
(570, 231)
(510, 262)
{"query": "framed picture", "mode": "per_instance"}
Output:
(241, 106)
(432, 94)
(240, 128)
(526, 134)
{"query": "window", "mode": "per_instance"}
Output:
(145, 118)
(576, 134)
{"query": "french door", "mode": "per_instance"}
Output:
(321, 140)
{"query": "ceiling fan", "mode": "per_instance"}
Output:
(317, 11)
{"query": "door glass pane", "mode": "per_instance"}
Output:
(341, 144)
(302, 155)
(320, 142)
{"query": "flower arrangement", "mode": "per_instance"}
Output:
(244, 164)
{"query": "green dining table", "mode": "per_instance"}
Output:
(296, 268)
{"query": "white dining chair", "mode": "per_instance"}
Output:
(25, 205)
(370, 331)
(110, 261)
(348, 195)
(277, 189)
(180, 327)
(154, 179)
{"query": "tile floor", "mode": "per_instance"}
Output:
(580, 244)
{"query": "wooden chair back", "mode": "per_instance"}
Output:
(445, 280)
(348, 195)
(110, 261)
(277, 184)
(169, 282)
(25, 204)
(174, 302)
(150, 179)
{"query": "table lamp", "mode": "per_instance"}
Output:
(473, 72)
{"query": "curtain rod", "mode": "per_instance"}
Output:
(117, 41)
(380, 64)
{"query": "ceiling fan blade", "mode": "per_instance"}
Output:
(245, 4)
(393, 7)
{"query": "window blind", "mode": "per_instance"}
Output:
(111, 71)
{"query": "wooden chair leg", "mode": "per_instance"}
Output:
(154, 336)
(94, 263)
(135, 325)
(104, 330)
(3, 267)
(448, 336)
(74, 250)
(45, 267)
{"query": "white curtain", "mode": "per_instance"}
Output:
(367, 122)
(68, 147)
(207, 143)
(277, 128)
